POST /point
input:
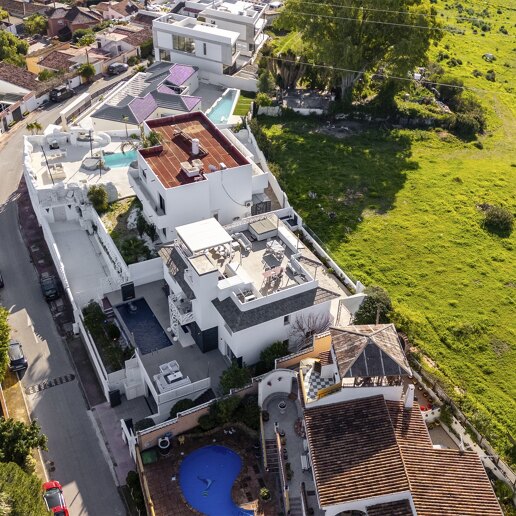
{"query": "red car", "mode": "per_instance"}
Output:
(53, 496)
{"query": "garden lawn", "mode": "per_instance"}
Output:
(407, 218)
(244, 103)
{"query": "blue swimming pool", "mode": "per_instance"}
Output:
(120, 159)
(223, 107)
(206, 477)
(143, 324)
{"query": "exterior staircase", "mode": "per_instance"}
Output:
(295, 507)
(107, 308)
(271, 451)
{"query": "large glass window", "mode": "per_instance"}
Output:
(183, 44)
(164, 55)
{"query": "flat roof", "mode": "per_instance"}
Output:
(177, 133)
(202, 235)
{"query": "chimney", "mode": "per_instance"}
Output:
(195, 146)
(409, 397)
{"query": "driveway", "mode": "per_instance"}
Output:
(76, 456)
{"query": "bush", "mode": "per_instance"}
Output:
(180, 406)
(93, 317)
(142, 424)
(234, 377)
(113, 331)
(146, 48)
(207, 422)
(265, 494)
(269, 355)
(98, 196)
(133, 60)
(377, 304)
(135, 489)
(248, 412)
(134, 250)
(499, 220)
(81, 33)
(262, 99)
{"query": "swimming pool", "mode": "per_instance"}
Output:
(206, 477)
(143, 324)
(119, 159)
(223, 108)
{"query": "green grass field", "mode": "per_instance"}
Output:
(407, 219)
(244, 103)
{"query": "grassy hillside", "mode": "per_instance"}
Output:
(407, 218)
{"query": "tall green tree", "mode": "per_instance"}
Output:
(4, 14)
(361, 36)
(17, 440)
(5, 334)
(12, 49)
(86, 71)
(234, 377)
(36, 24)
(375, 308)
(20, 492)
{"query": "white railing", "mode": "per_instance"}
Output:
(186, 390)
(182, 316)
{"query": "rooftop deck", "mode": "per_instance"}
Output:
(177, 133)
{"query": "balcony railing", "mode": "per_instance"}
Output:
(181, 309)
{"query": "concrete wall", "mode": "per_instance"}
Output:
(278, 381)
(147, 271)
(7, 87)
(229, 81)
(393, 393)
(320, 344)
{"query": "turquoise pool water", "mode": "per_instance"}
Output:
(223, 108)
(119, 159)
(206, 477)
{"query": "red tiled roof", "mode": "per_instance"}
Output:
(135, 37)
(448, 483)
(177, 132)
(408, 425)
(19, 76)
(57, 61)
(398, 508)
(124, 7)
(144, 19)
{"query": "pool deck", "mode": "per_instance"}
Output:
(163, 476)
(192, 361)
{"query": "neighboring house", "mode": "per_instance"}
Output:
(69, 59)
(64, 21)
(122, 10)
(9, 27)
(239, 288)
(22, 9)
(19, 90)
(180, 39)
(367, 449)
(123, 39)
(197, 173)
(162, 90)
(246, 18)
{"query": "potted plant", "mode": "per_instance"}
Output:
(265, 494)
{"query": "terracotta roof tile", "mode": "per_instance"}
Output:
(408, 425)
(19, 76)
(57, 61)
(398, 508)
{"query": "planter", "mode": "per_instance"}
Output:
(265, 416)
(282, 406)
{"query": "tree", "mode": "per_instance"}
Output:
(304, 327)
(98, 196)
(4, 14)
(234, 377)
(17, 440)
(180, 406)
(5, 335)
(375, 308)
(87, 71)
(361, 38)
(80, 33)
(36, 24)
(142, 141)
(269, 355)
(35, 127)
(265, 82)
(133, 250)
(86, 40)
(12, 49)
(20, 492)
(46, 75)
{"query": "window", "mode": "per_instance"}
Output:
(183, 44)
(162, 203)
(164, 231)
(144, 174)
(164, 55)
(204, 48)
(286, 320)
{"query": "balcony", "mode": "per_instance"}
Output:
(150, 206)
(180, 309)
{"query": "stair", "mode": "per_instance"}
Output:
(295, 507)
(271, 451)
(107, 308)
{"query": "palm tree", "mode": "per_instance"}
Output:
(87, 71)
(35, 127)
(143, 141)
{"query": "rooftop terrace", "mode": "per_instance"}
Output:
(168, 160)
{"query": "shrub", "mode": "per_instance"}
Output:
(207, 422)
(133, 60)
(265, 494)
(146, 48)
(98, 196)
(141, 224)
(180, 406)
(142, 424)
(93, 317)
(377, 305)
(499, 220)
(133, 483)
(248, 412)
(234, 377)
(262, 99)
(269, 355)
(113, 331)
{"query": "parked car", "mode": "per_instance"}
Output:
(49, 286)
(117, 68)
(62, 92)
(275, 5)
(17, 360)
(54, 499)
(1, 280)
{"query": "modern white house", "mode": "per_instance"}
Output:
(241, 287)
(361, 445)
(164, 89)
(197, 172)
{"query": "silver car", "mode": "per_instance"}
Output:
(17, 360)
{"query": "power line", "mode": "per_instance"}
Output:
(427, 15)
(385, 76)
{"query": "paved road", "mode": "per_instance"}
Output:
(74, 447)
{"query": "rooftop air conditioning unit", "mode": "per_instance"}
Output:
(222, 166)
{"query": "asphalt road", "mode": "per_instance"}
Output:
(73, 443)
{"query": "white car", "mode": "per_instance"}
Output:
(275, 5)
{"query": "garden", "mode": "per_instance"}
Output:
(410, 210)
